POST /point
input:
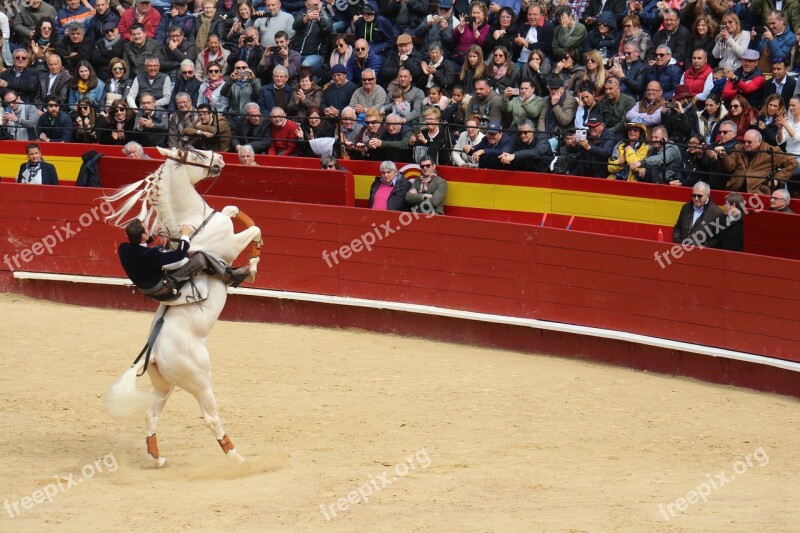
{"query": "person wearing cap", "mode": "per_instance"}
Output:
(679, 116)
(374, 28)
(674, 34)
(747, 80)
(111, 45)
(337, 94)
(698, 77)
(781, 83)
(312, 28)
(776, 41)
(664, 71)
(180, 16)
(529, 151)
(406, 57)
(141, 13)
(487, 152)
(74, 11)
(74, 46)
(633, 148)
(597, 145)
(558, 112)
(437, 27)
(103, 15)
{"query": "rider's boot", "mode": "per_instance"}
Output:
(235, 276)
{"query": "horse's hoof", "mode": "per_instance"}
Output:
(158, 462)
(235, 456)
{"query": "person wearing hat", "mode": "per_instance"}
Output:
(181, 16)
(405, 57)
(679, 116)
(337, 94)
(633, 148)
(747, 80)
(559, 110)
(437, 27)
(103, 15)
(487, 152)
(664, 71)
(374, 28)
(141, 13)
(597, 145)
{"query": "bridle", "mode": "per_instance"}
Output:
(214, 170)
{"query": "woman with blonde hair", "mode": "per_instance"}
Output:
(469, 34)
(374, 130)
(731, 43)
(594, 72)
(473, 68)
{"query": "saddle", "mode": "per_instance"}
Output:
(163, 291)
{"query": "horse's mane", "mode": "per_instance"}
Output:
(140, 191)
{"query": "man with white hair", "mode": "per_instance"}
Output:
(370, 94)
(388, 191)
(756, 167)
(276, 94)
(251, 130)
(134, 150)
(700, 220)
(246, 156)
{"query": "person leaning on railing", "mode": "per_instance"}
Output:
(757, 167)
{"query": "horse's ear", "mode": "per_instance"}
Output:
(166, 151)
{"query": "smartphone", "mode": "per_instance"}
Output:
(417, 130)
(580, 135)
(469, 19)
(515, 91)
(671, 105)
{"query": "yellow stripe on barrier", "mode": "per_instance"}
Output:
(66, 166)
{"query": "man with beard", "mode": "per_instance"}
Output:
(486, 103)
(279, 55)
(54, 125)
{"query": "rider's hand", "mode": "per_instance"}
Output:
(185, 231)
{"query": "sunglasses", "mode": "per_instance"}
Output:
(20, 58)
(118, 69)
(361, 49)
(726, 132)
(524, 132)
(119, 110)
(735, 106)
(185, 72)
(426, 165)
(214, 71)
(628, 53)
(698, 195)
(367, 79)
(83, 107)
(661, 55)
(112, 30)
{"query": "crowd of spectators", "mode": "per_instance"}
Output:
(671, 92)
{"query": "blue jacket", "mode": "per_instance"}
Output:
(267, 98)
(355, 67)
(58, 130)
(95, 94)
(669, 77)
(780, 45)
(491, 155)
(379, 34)
(49, 174)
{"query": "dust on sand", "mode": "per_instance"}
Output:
(445, 437)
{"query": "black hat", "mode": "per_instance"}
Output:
(555, 83)
(108, 26)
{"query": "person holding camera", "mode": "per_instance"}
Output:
(472, 29)
(679, 115)
(776, 38)
(240, 88)
(731, 43)
(312, 29)
(438, 27)
(279, 55)
(248, 50)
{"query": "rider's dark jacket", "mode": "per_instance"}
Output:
(144, 265)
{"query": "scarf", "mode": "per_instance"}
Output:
(202, 31)
(207, 56)
(211, 87)
(83, 86)
(41, 41)
(652, 108)
(499, 72)
(425, 183)
(33, 169)
(110, 44)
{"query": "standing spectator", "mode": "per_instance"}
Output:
(529, 152)
(437, 28)
(179, 120)
(28, 16)
(120, 123)
(672, 35)
(152, 80)
(209, 130)
(150, 125)
(108, 47)
(20, 78)
(754, 169)
(210, 91)
(85, 85)
(55, 83)
(388, 191)
(54, 125)
(471, 136)
(141, 13)
(731, 43)
(698, 217)
(312, 29)
(140, 49)
(19, 119)
(466, 35)
(213, 53)
(251, 130)
(428, 191)
(569, 34)
(283, 133)
(36, 171)
(487, 152)
(117, 85)
(275, 21)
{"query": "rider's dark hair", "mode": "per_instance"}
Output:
(134, 231)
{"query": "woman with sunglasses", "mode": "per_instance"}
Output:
(731, 43)
(86, 122)
(374, 130)
(85, 85)
(501, 70)
(744, 116)
(595, 73)
(119, 123)
(43, 43)
(632, 33)
(117, 85)
(604, 37)
(342, 51)
(210, 91)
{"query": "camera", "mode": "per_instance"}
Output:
(671, 105)
(515, 91)
(274, 49)
(248, 39)
(469, 19)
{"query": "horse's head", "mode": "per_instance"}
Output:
(198, 164)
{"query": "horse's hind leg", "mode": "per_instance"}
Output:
(208, 406)
(162, 391)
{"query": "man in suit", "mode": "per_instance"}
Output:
(700, 220)
(781, 84)
(36, 171)
(55, 83)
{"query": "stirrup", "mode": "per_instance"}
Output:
(236, 276)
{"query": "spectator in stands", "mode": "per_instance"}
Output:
(85, 85)
(559, 110)
(777, 38)
(525, 105)
(28, 16)
(404, 57)
(732, 235)
(19, 119)
(213, 53)
(251, 130)
(697, 165)
(529, 151)
(781, 84)
(437, 27)
(134, 150)
(698, 76)
(55, 83)
(569, 69)
(307, 95)
(487, 152)
(54, 125)
(753, 168)
(598, 7)
(648, 110)
(142, 14)
(247, 156)
(725, 141)
(370, 94)
(731, 43)
(316, 137)
(766, 125)
(664, 163)
(74, 46)
(87, 123)
(535, 34)
(432, 140)
(187, 83)
(597, 145)
(394, 142)
(569, 33)
(328, 162)
(349, 129)
(388, 191)
(117, 84)
(631, 72)
(456, 112)
(103, 16)
(152, 80)
(679, 116)
(43, 44)
(364, 58)
(341, 53)
(74, 12)
(283, 133)
(275, 21)
(111, 45)
(140, 49)
(150, 125)
(632, 33)
(486, 103)
(630, 150)
(21, 78)
(594, 72)
(246, 17)
(373, 130)
(179, 120)
(436, 69)
(119, 124)
(435, 98)
(210, 22)
(209, 130)
(473, 68)
(501, 71)
(36, 171)
(179, 16)
(408, 92)
(471, 136)
(249, 51)
(710, 118)
(789, 125)
(569, 153)
(312, 28)
(675, 35)
(210, 91)
(698, 219)
(604, 37)
(177, 49)
(667, 74)
(337, 94)
(589, 105)
(428, 191)
(703, 33)
(240, 88)
(779, 201)
(374, 28)
(615, 106)
(276, 94)
(744, 116)
(466, 34)
(748, 80)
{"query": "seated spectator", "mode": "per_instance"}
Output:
(110, 46)
(631, 73)
(251, 130)
(210, 22)
(747, 80)
(779, 201)
(279, 55)
(697, 165)
(373, 130)
(569, 33)
(117, 84)
(589, 108)
(150, 125)
(525, 105)
(428, 191)
(369, 94)
(436, 69)
(21, 78)
(731, 43)
(247, 156)
(529, 151)
(141, 13)
(471, 136)
(36, 171)
(604, 37)
(393, 144)
(473, 69)
(153, 81)
(408, 93)
(178, 48)
(246, 17)
(276, 94)
(54, 124)
(341, 53)
(678, 38)
(569, 69)
(431, 141)
(765, 121)
(789, 125)
(276, 21)
(535, 34)
(632, 33)
(75, 13)
(336, 95)
(630, 150)
(187, 83)
(755, 170)
(726, 140)
(744, 116)
(27, 19)
(86, 122)
(559, 110)
(663, 164)
(85, 85)
(141, 50)
(709, 119)
(501, 70)
(664, 71)
(210, 91)
(134, 150)
(648, 110)
(597, 145)
(380, 34)
(437, 27)
(317, 137)
(55, 83)
(777, 39)
(698, 219)
(249, 52)
(43, 43)
(404, 57)
(594, 73)
(240, 88)
(487, 152)
(19, 119)
(213, 53)
(456, 113)
(535, 71)
(364, 58)
(678, 115)
(435, 98)
(209, 131)
(103, 16)
(283, 133)
(615, 106)
(388, 191)
(467, 34)
(486, 103)
(307, 95)
(703, 34)
(178, 18)
(781, 83)
(732, 236)
(179, 120)
(328, 162)
(569, 153)
(119, 124)
(698, 77)
(349, 130)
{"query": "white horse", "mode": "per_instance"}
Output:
(180, 356)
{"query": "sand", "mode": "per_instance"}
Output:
(436, 437)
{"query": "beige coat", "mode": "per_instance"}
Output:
(754, 172)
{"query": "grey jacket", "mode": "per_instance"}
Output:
(23, 128)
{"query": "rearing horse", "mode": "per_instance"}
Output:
(180, 356)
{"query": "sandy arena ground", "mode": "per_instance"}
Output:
(491, 440)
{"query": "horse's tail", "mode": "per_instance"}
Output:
(124, 402)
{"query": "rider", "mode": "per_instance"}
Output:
(154, 271)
